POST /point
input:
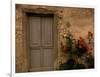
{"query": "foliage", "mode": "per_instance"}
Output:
(78, 51)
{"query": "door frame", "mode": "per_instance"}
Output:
(27, 36)
(41, 10)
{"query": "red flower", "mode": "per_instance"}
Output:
(90, 53)
(81, 38)
(91, 49)
(80, 46)
(82, 43)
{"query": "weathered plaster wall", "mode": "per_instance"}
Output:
(21, 55)
(76, 20)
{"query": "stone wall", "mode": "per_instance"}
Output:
(76, 20)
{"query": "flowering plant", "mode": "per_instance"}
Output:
(80, 52)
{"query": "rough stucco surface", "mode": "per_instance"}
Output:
(21, 63)
(76, 20)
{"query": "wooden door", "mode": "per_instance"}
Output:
(41, 42)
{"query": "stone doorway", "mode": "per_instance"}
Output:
(40, 42)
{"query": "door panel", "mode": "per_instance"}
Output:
(47, 58)
(47, 31)
(35, 58)
(34, 31)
